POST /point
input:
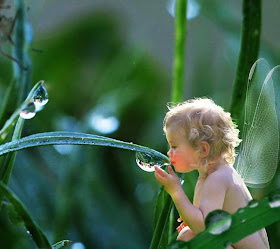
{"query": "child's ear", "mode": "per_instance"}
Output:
(204, 149)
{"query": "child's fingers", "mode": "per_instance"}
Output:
(171, 171)
(159, 178)
(160, 172)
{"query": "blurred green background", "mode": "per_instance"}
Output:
(107, 66)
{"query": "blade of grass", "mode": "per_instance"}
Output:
(21, 75)
(8, 163)
(164, 206)
(50, 138)
(37, 235)
(22, 39)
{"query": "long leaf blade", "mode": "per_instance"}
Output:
(37, 234)
(74, 138)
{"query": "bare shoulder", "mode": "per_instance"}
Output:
(223, 175)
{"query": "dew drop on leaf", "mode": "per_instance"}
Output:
(28, 111)
(274, 200)
(253, 204)
(29, 233)
(147, 161)
(218, 222)
(40, 98)
(241, 210)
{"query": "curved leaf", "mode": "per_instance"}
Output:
(67, 138)
(37, 235)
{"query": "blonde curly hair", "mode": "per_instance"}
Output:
(203, 120)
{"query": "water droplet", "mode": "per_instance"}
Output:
(182, 178)
(253, 204)
(40, 98)
(28, 111)
(192, 10)
(241, 210)
(29, 233)
(147, 162)
(274, 200)
(218, 222)
(243, 220)
(78, 245)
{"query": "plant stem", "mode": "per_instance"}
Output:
(250, 43)
(164, 203)
(179, 50)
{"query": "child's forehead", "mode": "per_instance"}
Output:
(175, 131)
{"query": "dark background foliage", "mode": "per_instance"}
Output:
(112, 60)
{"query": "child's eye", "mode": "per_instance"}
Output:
(173, 147)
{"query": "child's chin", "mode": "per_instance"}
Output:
(181, 170)
(184, 170)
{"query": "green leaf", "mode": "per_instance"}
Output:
(75, 138)
(19, 86)
(37, 235)
(8, 163)
(14, 217)
(161, 230)
(61, 244)
(257, 215)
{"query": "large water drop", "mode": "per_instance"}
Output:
(28, 111)
(218, 222)
(147, 161)
(40, 98)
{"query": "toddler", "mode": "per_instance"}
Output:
(203, 137)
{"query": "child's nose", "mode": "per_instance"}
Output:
(169, 153)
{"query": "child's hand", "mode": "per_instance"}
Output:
(171, 181)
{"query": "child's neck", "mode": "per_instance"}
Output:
(211, 167)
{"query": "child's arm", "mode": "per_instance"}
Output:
(192, 215)
(211, 198)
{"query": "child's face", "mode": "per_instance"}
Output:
(181, 154)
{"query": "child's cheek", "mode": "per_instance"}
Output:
(177, 156)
